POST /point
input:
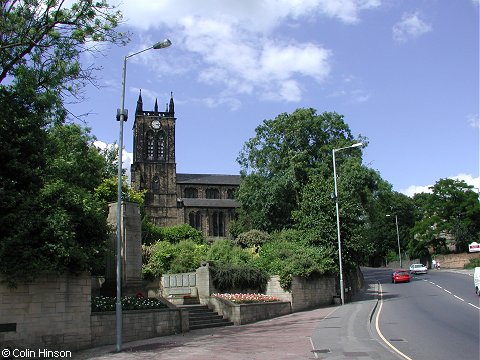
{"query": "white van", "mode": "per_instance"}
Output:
(476, 280)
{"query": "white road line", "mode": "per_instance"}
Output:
(447, 291)
(459, 298)
(475, 306)
(380, 333)
(439, 286)
(431, 282)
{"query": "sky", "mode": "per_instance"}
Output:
(403, 73)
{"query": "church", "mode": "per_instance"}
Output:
(204, 201)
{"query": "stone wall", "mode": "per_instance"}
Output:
(138, 325)
(305, 293)
(53, 313)
(456, 261)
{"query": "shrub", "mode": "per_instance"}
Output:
(164, 257)
(224, 251)
(252, 238)
(172, 234)
(230, 278)
(246, 298)
(288, 258)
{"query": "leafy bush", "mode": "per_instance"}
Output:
(252, 238)
(229, 277)
(473, 263)
(164, 257)
(173, 234)
(104, 303)
(288, 258)
(225, 251)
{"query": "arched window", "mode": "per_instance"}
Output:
(190, 193)
(218, 224)
(160, 146)
(150, 145)
(212, 194)
(195, 220)
(155, 183)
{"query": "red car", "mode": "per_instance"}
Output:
(400, 276)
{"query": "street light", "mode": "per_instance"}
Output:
(122, 115)
(398, 239)
(342, 290)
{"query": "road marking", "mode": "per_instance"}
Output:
(330, 313)
(439, 286)
(432, 283)
(475, 306)
(459, 298)
(380, 333)
(447, 291)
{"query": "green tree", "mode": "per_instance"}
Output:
(66, 230)
(278, 162)
(42, 40)
(450, 214)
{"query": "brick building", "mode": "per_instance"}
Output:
(205, 201)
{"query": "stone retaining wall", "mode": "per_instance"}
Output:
(53, 312)
(138, 325)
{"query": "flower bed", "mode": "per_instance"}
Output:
(104, 303)
(246, 298)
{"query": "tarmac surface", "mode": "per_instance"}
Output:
(335, 332)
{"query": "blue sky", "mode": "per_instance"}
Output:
(404, 73)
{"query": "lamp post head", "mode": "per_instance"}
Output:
(388, 215)
(162, 44)
(357, 145)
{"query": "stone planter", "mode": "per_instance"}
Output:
(241, 314)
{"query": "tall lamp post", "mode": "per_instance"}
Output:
(398, 239)
(122, 115)
(342, 290)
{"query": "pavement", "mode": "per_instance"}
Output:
(315, 334)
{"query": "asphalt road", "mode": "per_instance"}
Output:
(436, 316)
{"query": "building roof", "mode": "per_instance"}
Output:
(213, 203)
(208, 179)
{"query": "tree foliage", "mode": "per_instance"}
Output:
(42, 40)
(450, 214)
(279, 161)
(50, 220)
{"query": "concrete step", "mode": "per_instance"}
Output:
(201, 317)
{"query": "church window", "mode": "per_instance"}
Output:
(218, 224)
(160, 146)
(150, 145)
(195, 220)
(155, 183)
(212, 194)
(190, 193)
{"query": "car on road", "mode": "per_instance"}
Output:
(400, 275)
(418, 269)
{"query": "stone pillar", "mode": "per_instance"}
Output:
(131, 227)
(204, 283)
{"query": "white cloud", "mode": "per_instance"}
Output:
(474, 120)
(417, 189)
(127, 157)
(410, 26)
(235, 45)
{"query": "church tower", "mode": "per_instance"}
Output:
(154, 167)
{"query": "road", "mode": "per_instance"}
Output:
(436, 316)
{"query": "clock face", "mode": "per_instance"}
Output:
(156, 124)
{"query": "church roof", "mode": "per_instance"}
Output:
(208, 179)
(214, 203)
